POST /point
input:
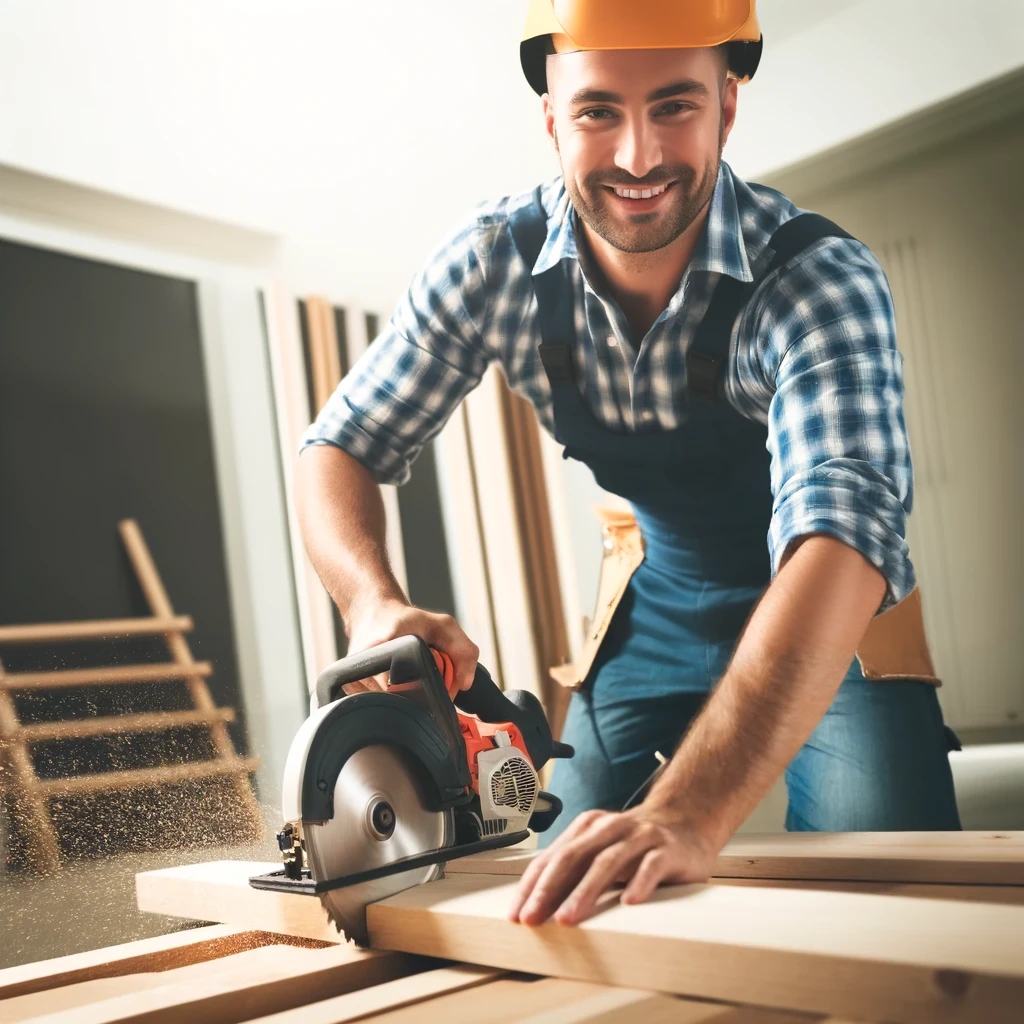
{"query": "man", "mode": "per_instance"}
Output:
(733, 383)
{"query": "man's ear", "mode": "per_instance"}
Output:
(730, 95)
(549, 117)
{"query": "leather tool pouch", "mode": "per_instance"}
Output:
(894, 646)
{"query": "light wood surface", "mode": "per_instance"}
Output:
(874, 957)
(93, 629)
(236, 987)
(979, 858)
(392, 995)
(155, 954)
(109, 675)
(220, 891)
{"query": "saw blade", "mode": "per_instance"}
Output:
(379, 816)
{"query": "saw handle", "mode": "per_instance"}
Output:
(521, 708)
(406, 660)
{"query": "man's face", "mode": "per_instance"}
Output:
(629, 121)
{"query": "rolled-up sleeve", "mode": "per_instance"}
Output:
(430, 355)
(836, 430)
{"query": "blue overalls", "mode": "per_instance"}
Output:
(701, 495)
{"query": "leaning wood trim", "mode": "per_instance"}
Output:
(872, 957)
(94, 629)
(177, 646)
(116, 725)
(142, 778)
(106, 676)
(238, 987)
(958, 858)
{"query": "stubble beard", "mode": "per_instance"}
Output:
(644, 232)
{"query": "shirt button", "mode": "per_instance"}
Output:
(613, 342)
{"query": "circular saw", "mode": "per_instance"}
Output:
(382, 788)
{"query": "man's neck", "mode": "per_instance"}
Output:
(643, 283)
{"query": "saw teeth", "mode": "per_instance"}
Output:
(339, 926)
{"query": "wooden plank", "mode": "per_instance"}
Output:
(112, 725)
(560, 1001)
(155, 954)
(1013, 895)
(873, 957)
(143, 778)
(607, 1004)
(238, 987)
(93, 629)
(62, 985)
(111, 675)
(978, 858)
(392, 995)
(220, 891)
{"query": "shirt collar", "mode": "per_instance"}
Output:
(720, 249)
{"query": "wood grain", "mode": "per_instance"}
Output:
(977, 858)
(873, 957)
(154, 954)
(238, 987)
(220, 891)
(392, 995)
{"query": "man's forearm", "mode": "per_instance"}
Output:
(341, 513)
(783, 676)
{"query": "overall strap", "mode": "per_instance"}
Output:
(707, 358)
(529, 227)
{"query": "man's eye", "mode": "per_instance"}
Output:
(596, 114)
(675, 107)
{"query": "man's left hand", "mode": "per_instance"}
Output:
(640, 847)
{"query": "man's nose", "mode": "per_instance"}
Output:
(639, 150)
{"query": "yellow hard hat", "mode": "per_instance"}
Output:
(640, 25)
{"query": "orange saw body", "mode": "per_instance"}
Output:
(381, 788)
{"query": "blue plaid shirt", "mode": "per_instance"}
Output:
(813, 356)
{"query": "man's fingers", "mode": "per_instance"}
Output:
(526, 883)
(568, 864)
(651, 872)
(446, 635)
(604, 870)
(540, 861)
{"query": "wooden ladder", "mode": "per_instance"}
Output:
(17, 772)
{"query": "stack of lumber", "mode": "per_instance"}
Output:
(909, 928)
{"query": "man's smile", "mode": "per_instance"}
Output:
(639, 200)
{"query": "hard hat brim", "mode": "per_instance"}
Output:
(641, 25)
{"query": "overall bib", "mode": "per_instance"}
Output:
(701, 496)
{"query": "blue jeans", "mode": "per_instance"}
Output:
(877, 762)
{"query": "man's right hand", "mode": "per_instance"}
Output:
(386, 620)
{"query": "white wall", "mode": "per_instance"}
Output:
(361, 131)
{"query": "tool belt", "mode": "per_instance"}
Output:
(894, 646)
